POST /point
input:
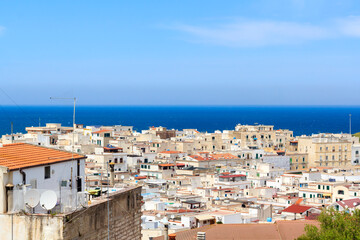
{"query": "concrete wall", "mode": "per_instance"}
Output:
(31, 227)
(92, 223)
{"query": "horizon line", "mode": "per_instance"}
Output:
(155, 105)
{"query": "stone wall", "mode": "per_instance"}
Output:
(92, 223)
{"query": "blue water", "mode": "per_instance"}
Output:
(302, 120)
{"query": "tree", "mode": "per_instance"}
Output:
(334, 225)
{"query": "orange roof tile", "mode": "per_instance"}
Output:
(171, 152)
(166, 165)
(101, 131)
(22, 155)
(219, 156)
(223, 156)
(296, 208)
(141, 177)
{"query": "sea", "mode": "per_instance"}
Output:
(300, 119)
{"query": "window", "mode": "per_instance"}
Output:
(327, 187)
(319, 186)
(341, 192)
(47, 172)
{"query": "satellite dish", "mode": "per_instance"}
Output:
(122, 176)
(48, 199)
(32, 198)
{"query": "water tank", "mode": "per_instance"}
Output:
(269, 219)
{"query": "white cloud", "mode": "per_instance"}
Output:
(349, 26)
(264, 33)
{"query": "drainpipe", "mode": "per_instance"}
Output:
(166, 237)
(23, 175)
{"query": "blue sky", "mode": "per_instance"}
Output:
(181, 52)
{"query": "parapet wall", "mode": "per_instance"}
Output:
(92, 223)
(30, 227)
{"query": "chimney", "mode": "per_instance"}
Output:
(201, 236)
(112, 174)
(172, 236)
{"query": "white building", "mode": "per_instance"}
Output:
(355, 154)
(25, 166)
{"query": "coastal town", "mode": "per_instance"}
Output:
(98, 182)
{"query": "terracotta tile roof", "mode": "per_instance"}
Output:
(22, 155)
(284, 230)
(296, 208)
(197, 157)
(349, 203)
(223, 156)
(219, 156)
(299, 201)
(166, 165)
(180, 211)
(141, 177)
(231, 176)
(171, 152)
(101, 131)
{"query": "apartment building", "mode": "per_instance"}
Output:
(327, 150)
(262, 136)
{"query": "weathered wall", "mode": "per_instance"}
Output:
(30, 227)
(92, 223)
